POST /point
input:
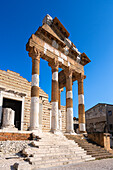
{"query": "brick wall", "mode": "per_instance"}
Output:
(4, 136)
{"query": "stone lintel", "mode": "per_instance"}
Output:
(50, 52)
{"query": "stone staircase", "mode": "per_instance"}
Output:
(92, 148)
(54, 150)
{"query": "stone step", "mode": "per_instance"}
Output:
(54, 164)
(54, 146)
(36, 144)
(56, 156)
(52, 150)
(63, 149)
(92, 149)
(55, 161)
(52, 138)
(94, 152)
(85, 156)
(33, 152)
(90, 159)
(104, 154)
(103, 157)
(88, 145)
(56, 143)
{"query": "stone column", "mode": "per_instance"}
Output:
(34, 114)
(69, 102)
(59, 111)
(8, 119)
(54, 97)
(81, 108)
(106, 137)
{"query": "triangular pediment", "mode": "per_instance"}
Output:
(54, 33)
(49, 29)
(46, 30)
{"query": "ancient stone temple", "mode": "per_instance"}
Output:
(26, 113)
(51, 43)
(32, 110)
(15, 94)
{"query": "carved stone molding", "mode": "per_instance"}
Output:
(54, 64)
(68, 72)
(81, 77)
(34, 53)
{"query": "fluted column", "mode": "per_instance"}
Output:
(59, 110)
(81, 108)
(69, 101)
(54, 96)
(34, 114)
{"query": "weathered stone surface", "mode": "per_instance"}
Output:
(7, 147)
(8, 119)
(11, 81)
(50, 151)
(100, 118)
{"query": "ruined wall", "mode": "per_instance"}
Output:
(96, 119)
(12, 82)
(110, 118)
(102, 139)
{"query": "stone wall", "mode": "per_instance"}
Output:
(12, 82)
(97, 138)
(102, 139)
(110, 118)
(96, 118)
(4, 136)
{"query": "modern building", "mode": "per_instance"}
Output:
(99, 118)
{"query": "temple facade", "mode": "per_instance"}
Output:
(51, 43)
(25, 103)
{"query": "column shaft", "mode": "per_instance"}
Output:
(81, 108)
(34, 114)
(69, 103)
(54, 98)
(59, 111)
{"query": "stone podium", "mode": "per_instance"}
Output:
(8, 119)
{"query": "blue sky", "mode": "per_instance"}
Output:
(90, 24)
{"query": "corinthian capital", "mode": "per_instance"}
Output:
(81, 77)
(68, 72)
(54, 64)
(34, 53)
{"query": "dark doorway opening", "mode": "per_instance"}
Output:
(76, 126)
(16, 106)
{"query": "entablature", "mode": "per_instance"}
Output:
(50, 53)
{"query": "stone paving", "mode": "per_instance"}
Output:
(105, 164)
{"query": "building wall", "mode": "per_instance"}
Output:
(17, 86)
(96, 118)
(110, 118)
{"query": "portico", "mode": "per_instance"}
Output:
(51, 43)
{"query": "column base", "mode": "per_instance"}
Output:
(38, 130)
(8, 129)
(57, 132)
